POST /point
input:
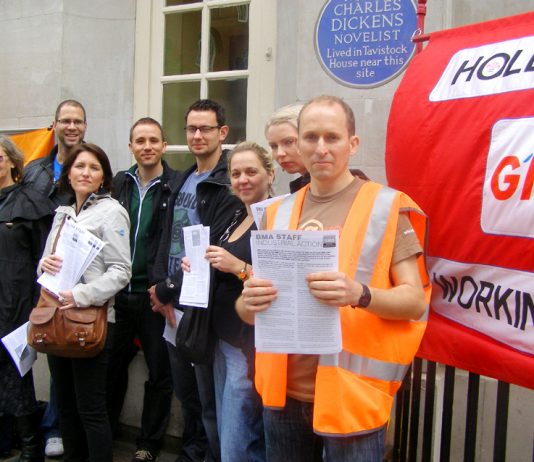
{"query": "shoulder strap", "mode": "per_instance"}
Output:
(57, 235)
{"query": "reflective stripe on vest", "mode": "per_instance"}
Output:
(366, 398)
(283, 214)
(370, 249)
(367, 367)
(373, 238)
(374, 235)
(424, 316)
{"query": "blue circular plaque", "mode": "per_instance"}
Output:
(365, 43)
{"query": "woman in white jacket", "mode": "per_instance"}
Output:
(81, 383)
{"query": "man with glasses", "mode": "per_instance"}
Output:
(202, 197)
(70, 124)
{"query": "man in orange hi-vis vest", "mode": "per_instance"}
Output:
(341, 403)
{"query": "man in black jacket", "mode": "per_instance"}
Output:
(203, 197)
(70, 124)
(144, 191)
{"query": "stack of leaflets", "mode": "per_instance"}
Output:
(78, 248)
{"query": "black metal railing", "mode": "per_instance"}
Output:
(413, 435)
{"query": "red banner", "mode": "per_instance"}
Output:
(461, 143)
(35, 143)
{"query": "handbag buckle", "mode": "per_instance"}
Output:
(81, 336)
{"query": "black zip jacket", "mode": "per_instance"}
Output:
(123, 183)
(216, 206)
(39, 175)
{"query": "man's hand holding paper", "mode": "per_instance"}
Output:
(297, 320)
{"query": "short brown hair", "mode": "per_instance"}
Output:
(71, 102)
(330, 101)
(147, 121)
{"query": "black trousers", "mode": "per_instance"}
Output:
(81, 393)
(135, 318)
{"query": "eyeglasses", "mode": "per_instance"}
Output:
(204, 129)
(68, 122)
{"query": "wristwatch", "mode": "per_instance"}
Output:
(243, 275)
(365, 298)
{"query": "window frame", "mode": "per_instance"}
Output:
(149, 61)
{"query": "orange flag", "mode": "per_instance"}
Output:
(34, 144)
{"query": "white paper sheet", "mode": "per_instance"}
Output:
(196, 283)
(78, 248)
(296, 322)
(16, 344)
(169, 333)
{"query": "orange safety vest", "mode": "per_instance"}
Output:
(354, 389)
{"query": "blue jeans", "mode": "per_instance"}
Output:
(206, 392)
(239, 407)
(193, 386)
(289, 436)
(50, 421)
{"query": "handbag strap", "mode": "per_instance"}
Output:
(57, 235)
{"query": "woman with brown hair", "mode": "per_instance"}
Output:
(81, 383)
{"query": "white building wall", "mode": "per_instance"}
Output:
(299, 75)
(53, 50)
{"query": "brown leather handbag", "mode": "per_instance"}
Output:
(71, 333)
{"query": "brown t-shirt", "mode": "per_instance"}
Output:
(327, 213)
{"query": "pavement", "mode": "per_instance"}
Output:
(122, 452)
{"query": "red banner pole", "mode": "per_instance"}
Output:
(419, 36)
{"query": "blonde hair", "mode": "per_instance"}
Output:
(265, 157)
(285, 115)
